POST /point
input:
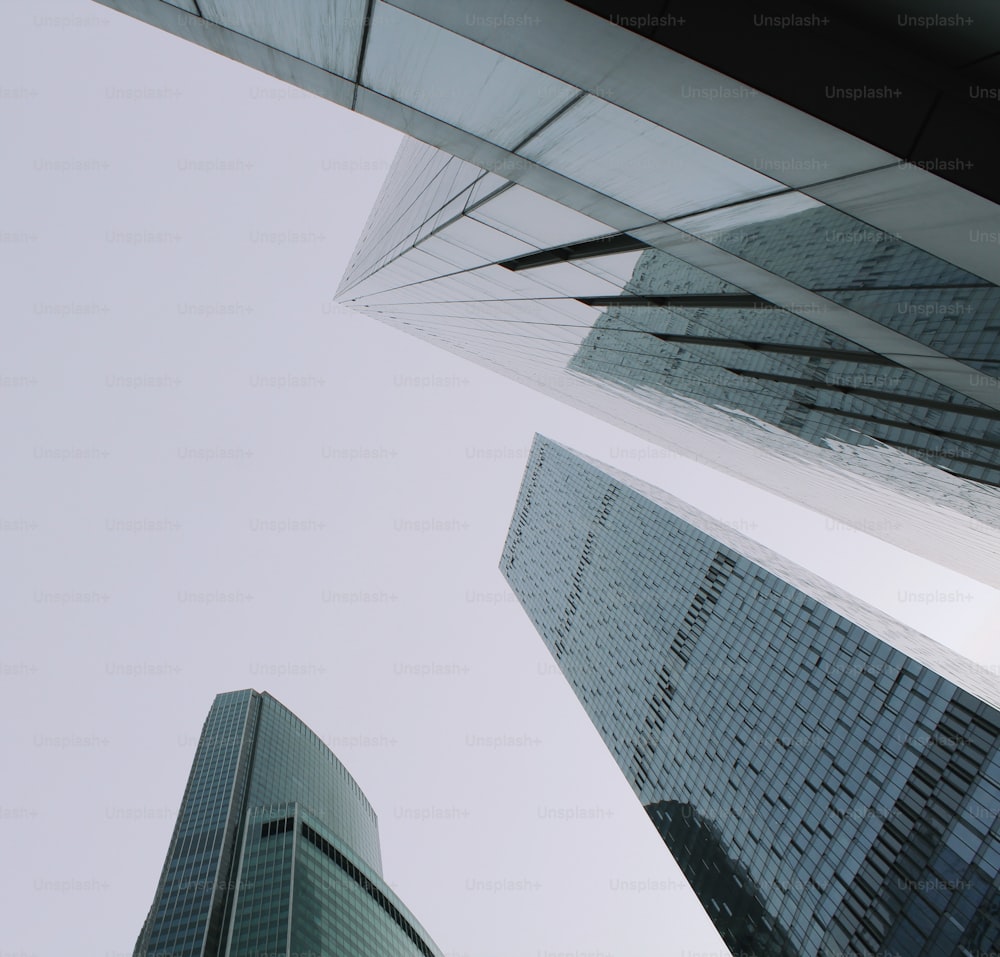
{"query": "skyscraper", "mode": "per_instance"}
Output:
(275, 850)
(634, 116)
(853, 378)
(791, 281)
(827, 779)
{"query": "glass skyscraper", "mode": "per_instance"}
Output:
(785, 279)
(275, 850)
(829, 384)
(827, 779)
(648, 113)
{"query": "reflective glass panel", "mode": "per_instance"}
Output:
(537, 220)
(639, 163)
(456, 80)
(324, 32)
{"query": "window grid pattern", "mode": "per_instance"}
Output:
(243, 878)
(292, 763)
(359, 917)
(779, 746)
(875, 274)
(263, 887)
(186, 915)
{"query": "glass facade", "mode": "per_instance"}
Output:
(853, 375)
(275, 850)
(916, 89)
(636, 126)
(790, 372)
(813, 311)
(827, 779)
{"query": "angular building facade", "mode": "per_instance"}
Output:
(837, 385)
(637, 114)
(275, 850)
(827, 779)
(788, 274)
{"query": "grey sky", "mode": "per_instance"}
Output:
(215, 479)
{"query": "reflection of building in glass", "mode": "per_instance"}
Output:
(275, 850)
(699, 850)
(856, 384)
(862, 230)
(680, 330)
(827, 779)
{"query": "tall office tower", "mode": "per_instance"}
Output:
(275, 850)
(832, 390)
(788, 273)
(827, 779)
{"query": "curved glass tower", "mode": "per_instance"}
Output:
(275, 850)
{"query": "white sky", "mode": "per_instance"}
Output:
(150, 446)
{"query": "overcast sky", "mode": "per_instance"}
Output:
(214, 478)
